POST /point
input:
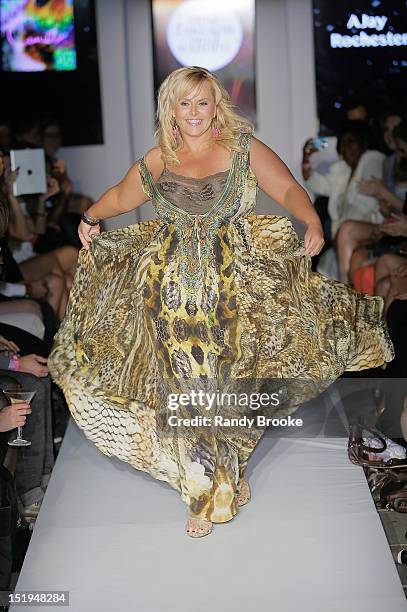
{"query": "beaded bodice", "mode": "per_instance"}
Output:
(194, 195)
(198, 208)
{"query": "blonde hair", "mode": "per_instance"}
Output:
(178, 84)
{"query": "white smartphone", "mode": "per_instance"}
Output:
(32, 176)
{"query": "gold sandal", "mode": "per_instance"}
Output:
(198, 527)
(243, 496)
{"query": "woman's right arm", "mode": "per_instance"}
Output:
(316, 182)
(18, 227)
(121, 198)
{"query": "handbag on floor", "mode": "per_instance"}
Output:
(386, 475)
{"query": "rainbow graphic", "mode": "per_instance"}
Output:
(37, 35)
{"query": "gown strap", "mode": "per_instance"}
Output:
(244, 139)
(147, 181)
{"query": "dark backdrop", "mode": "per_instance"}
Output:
(375, 75)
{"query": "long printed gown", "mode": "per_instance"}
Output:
(202, 300)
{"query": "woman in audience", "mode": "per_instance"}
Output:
(341, 183)
(355, 237)
(56, 268)
(34, 465)
(391, 269)
(62, 222)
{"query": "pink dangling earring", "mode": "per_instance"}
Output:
(175, 130)
(215, 129)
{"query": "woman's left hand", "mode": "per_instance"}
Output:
(400, 271)
(314, 239)
(397, 227)
(373, 187)
(8, 346)
(52, 188)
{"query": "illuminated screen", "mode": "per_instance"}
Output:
(217, 35)
(360, 54)
(37, 35)
(45, 81)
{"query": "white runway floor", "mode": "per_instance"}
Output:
(309, 541)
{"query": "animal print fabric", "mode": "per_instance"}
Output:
(205, 301)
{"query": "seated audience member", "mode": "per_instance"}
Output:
(26, 134)
(34, 465)
(356, 110)
(62, 223)
(22, 300)
(341, 184)
(5, 136)
(22, 304)
(55, 268)
(391, 278)
(397, 326)
(12, 548)
(359, 242)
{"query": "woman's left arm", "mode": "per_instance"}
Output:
(275, 179)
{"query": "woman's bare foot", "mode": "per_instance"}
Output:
(198, 527)
(243, 496)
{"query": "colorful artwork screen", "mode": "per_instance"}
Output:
(37, 35)
(216, 35)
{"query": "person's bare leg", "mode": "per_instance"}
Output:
(350, 235)
(359, 258)
(68, 281)
(67, 258)
(397, 291)
(60, 261)
(386, 264)
(37, 268)
(387, 286)
(382, 287)
(57, 295)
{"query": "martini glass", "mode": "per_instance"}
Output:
(16, 397)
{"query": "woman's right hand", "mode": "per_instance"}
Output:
(373, 187)
(8, 346)
(34, 364)
(309, 148)
(86, 232)
(10, 177)
(14, 416)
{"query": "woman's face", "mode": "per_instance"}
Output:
(52, 139)
(195, 112)
(390, 123)
(351, 150)
(401, 153)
